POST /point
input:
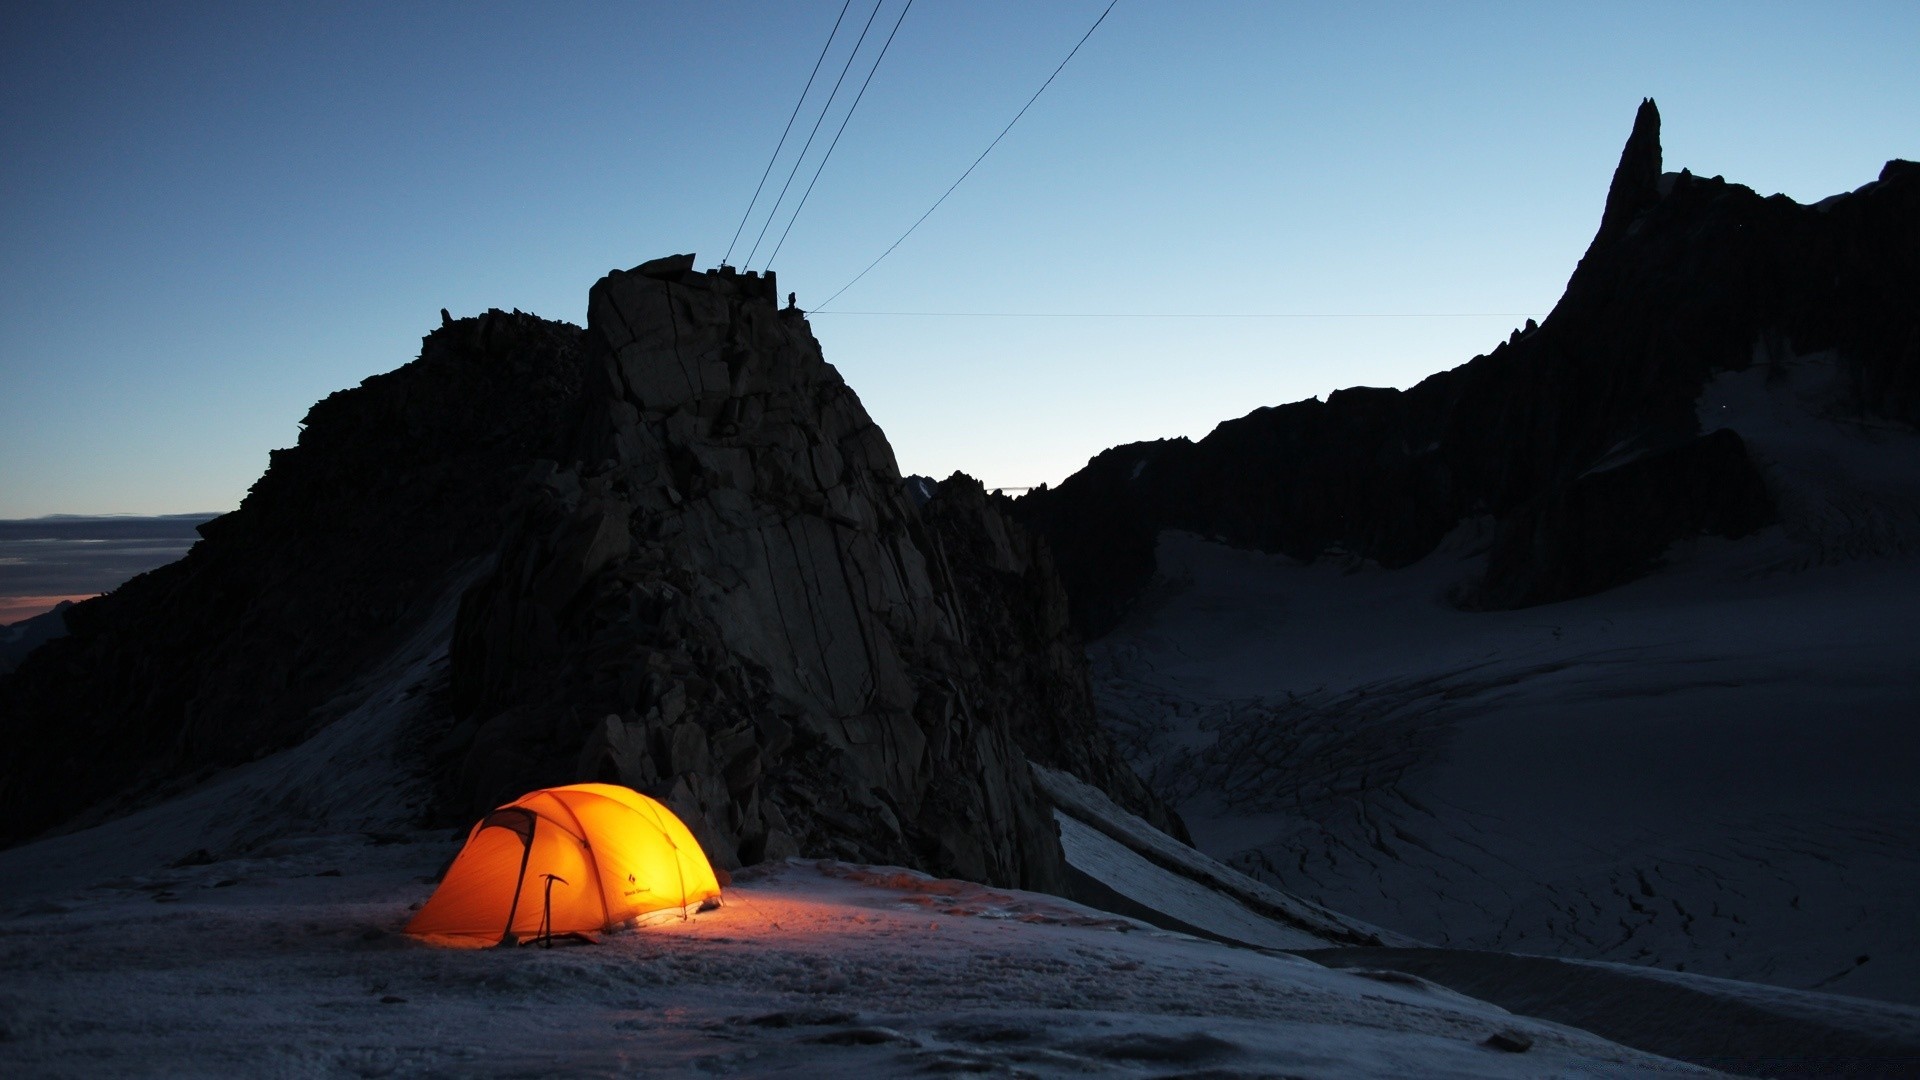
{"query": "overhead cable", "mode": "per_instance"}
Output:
(843, 128)
(784, 133)
(1191, 314)
(791, 173)
(982, 157)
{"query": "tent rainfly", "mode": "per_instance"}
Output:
(566, 860)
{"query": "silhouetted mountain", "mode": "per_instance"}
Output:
(337, 554)
(1578, 437)
(682, 559)
(20, 638)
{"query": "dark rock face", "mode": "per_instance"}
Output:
(1021, 649)
(1607, 526)
(733, 604)
(1636, 180)
(335, 555)
(728, 598)
(1579, 437)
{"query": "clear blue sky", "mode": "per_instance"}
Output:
(214, 214)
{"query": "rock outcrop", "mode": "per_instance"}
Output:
(690, 565)
(339, 552)
(1021, 651)
(731, 602)
(1579, 437)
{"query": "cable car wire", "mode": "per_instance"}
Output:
(1191, 314)
(978, 160)
(842, 131)
(738, 229)
(795, 171)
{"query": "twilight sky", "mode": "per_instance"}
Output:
(212, 215)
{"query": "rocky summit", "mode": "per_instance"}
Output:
(684, 560)
(732, 601)
(1577, 441)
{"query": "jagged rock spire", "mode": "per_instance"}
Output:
(1636, 181)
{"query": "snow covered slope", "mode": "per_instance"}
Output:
(286, 965)
(1715, 769)
(250, 928)
(1444, 774)
(1744, 1028)
(1126, 865)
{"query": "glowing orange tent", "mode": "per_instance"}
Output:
(566, 860)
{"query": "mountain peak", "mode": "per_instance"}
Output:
(1636, 180)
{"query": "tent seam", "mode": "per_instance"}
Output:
(593, 861)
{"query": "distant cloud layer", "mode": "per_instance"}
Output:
(46, 560)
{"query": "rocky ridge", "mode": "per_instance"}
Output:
(686, 562)
(1579, 437)
(733, 603)
(337, 554)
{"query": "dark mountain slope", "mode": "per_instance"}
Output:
(18, 640)
(687, 562)
(1578, 436)
(338, 552)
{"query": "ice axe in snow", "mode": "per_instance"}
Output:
(546, 910)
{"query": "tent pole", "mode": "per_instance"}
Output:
(526, 852)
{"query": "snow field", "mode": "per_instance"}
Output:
(279, 967)
(1713, 769)
(250, 927)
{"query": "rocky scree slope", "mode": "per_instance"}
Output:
(338, 553)
(1579, 437)
(731, 602)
